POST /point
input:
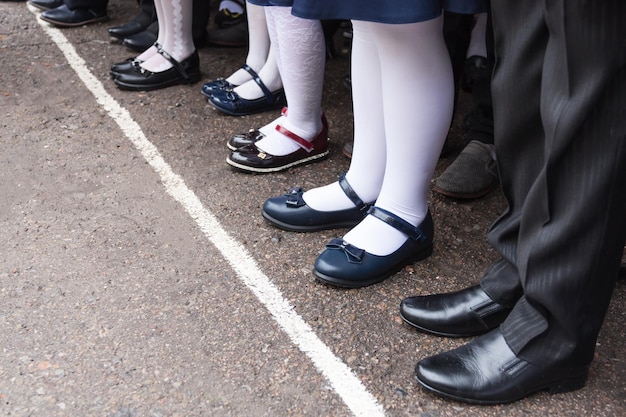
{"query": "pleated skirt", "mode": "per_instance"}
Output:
(381, 11)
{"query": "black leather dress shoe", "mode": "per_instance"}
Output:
(464, 313)
(63, 16)
(486, 371)
(145, 17)
(46, 4)
(252, 159)
(344, 265)
(137, 78)
(143, 40)
(290, 212)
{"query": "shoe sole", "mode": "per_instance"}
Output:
(338, 282)
(233, 113)
(150, 87)
(295, 228)
(557, 387)
(73, 25)
(442, 334)
(313, 158)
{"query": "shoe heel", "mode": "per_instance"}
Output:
(571, 384)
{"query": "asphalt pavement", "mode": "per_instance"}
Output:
(138, 278)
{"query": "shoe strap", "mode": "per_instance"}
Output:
(300, 141)
(351, 194)
(413, 232)
(268, 94)
(174, 63)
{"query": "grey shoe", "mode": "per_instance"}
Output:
(472, 174)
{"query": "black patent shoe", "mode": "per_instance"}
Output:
(486, 371)
(464, 313)
(290, 212)
(185, 72)
(63, 16)
(143, 40)
(45, 4)
(129, 65)
(230, 103)
(145, 17)
(344, 265)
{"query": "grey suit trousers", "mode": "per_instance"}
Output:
(559, 95)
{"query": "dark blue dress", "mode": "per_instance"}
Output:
(381, 11)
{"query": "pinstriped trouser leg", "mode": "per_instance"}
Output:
(559, 91)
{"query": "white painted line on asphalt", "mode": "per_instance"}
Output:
(339, 375)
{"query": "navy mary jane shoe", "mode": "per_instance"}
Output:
(220, 84)
(344, 265)
(229, 101)
(290, 212)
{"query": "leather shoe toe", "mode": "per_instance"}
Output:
(290, 212)
(140, 23)
(46, 4)
(231, 103)
(240, 140)
(252, 136)
(464, 313)
(63, 16)
(143, 40)
(126, 66)
(219, 84)
(252, 159)
(486, 371)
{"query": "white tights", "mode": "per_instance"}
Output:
(300, 52)
(260, 58)
(402, 96)
(174, 17)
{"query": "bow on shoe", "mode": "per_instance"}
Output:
(354, 254)
(294, 197)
